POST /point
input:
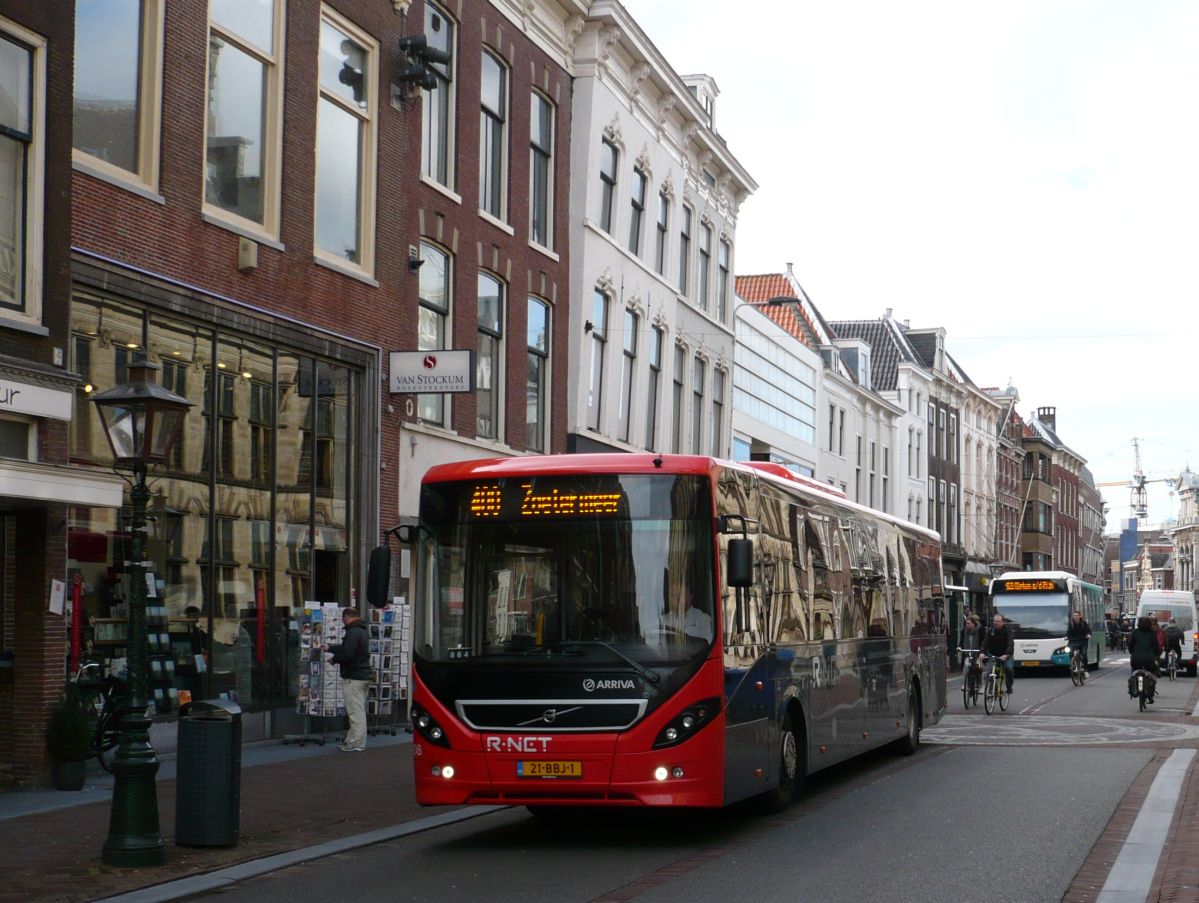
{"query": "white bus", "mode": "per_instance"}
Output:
(1038, 605)
(1164, 605)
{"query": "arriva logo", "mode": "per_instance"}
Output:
(590, 685)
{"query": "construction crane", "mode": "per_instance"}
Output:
(1138, 495)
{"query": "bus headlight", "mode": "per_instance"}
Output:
(1065, 650)
(428, 727)
(687, 722)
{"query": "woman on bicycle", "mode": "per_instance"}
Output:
(1174, 639)
(1142, 643)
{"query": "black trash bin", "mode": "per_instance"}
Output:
(208, 774)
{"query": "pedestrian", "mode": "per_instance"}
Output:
(353, 656)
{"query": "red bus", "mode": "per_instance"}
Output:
(660, 630)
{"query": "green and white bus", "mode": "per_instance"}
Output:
(1038, 605)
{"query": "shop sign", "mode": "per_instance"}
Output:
(417, 372)
(23, 398)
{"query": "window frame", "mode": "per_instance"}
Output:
(705, 265)
(608, 186)
(601, 303)
(658, 336)
(368, 161)
(272, 127)
(536, 151)
(685, 228)
(497, 390)
(638, 191)
(28, 309)
(149, 103)
(628, 371)
(663, 232)
(723, 276)
(499, 120)
(543, 355)
(446, 81)
(446, 314)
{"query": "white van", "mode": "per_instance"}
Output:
(1164, 604)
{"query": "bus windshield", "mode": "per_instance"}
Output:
(593, 565)
(1036, 614)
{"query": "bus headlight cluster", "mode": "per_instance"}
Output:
(428, 728)
(687, 723)
(1065, 650)
(661, 773)
(443, 771)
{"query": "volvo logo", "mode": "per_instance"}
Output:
(590, 685)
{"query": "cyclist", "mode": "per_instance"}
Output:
(999, 641)
(1142, 643)
(970, 642)
(1174, 638)
(1078, 635)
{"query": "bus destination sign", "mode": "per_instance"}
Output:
(493, 500)
(1028, 586)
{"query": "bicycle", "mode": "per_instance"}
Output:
(1141, 687)
(995, 687)
(1171, 664)
(108, 697)
(1078, 668)
(971, 677)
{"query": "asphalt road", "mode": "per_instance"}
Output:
(1006, 806)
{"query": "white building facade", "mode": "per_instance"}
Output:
(654, 200)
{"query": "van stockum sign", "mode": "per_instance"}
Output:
(417, 372)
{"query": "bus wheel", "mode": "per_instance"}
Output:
(910, 741)
(793, 766)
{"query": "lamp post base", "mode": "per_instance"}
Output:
(134, 838)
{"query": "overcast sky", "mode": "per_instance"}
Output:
(1024, 174)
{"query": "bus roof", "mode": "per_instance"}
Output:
(649, 463)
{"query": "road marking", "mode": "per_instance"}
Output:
(1132, 872)
(1054, 730)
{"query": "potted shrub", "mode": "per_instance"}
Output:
(69, 741)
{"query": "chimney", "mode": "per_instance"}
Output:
(1048, 416)
(887, 315)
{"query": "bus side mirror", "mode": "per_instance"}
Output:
(739, 570)
(378, 576)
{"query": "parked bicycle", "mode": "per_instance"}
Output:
(1141, 686)
(108, 696)
(995, 687)
(1078, 668)
(972, 677)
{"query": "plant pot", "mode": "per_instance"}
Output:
(69, 775)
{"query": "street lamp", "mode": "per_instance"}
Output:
(142, 421)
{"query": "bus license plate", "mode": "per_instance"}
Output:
(549, 769)
(1030, 664)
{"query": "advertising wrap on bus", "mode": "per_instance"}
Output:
(660, 630)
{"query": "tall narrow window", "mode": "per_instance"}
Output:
(718, 413)
(627, 371)
(705, 264)
(676, 431)
(841, 431)
(873, 474)
(886, 476)
(953, 438)
(345, 145)
(437, 125)
(541, 185)
(653, 387)
(697, 413)
(595, 374)
(722, 284)
(911, 451)
(22, 136)
(535, 381)
(433, 320)
(118, 80)
(663, 226)
(489, 360)
(637, 211)
(685, 250)
(245, 65)
(609, 156)
(832, 426)
(492, 144)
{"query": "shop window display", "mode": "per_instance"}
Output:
(247, 521)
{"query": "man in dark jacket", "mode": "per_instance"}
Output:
(353, 656)
(1001, 642)
(1078, 634)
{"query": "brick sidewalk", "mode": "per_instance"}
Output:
(284, 806)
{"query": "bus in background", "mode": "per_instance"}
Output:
(660, 630)
(1163, 605)
(1038, 606)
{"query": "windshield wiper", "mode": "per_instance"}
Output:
(645, 672)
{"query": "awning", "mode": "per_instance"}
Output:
(55, 484)
(960, 589)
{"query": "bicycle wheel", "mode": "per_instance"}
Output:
(966, 690)
(104, 744)
(989, 694)
(1075, 668)
(1002, 692)
(1141, 700)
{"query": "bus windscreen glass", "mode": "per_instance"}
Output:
(1036, 614)
(567, 565)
